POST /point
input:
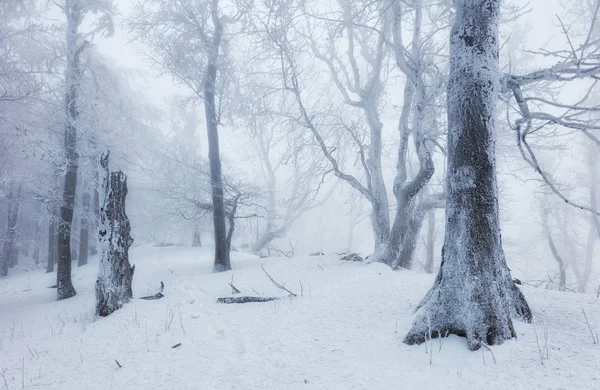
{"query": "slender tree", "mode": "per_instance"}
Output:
(75, 12)
(473, 295)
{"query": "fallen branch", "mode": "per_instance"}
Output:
(245, 299)
(594, 336)
(279, 286)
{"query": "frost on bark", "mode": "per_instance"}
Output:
(113, 287)
(473, 295)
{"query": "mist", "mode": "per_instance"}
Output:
(445, 143)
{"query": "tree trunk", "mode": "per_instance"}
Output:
(197, 238)
(430, 241)
(9, 249)
(562, 267)
(64, 284)
(221, 262)
(37, 233)
(231, 219)
(52, 240)
(96, 209)
(411, 236)
(84, 234)
(473, 295)
(113, 287)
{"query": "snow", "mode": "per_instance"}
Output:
(344, 332)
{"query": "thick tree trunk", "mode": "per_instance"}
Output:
(221, 262)
(113, 287)
(473, 295)
(84, 238)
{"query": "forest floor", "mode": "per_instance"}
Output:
(344, 330)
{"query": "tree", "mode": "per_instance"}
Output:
(351, 45)
(113, 286)
(10, 253)
(76, 42)
(473, 295)
(189, 40)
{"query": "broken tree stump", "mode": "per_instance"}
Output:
(113, 286)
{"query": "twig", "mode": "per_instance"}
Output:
(279, 286)
(257, 293)
(324, 270)
(3, 373)
(118, 364)
(233, 288)
(146, 330)
(594, 338)
(489, 349)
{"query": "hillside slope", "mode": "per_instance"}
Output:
(344, 332)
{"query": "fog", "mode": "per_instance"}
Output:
(140, 94)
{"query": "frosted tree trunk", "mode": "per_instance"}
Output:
(96, 210)
(473, 295)
(84, 230)
(64, 284)
(113, 287)
(430, 241)
(221, 262)
(52, 240)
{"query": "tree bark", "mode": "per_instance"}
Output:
(96, 211)
(84, 235)
(37, 233)
(221, 262)
(52, 240)
(473, 295)
(113, 286)
(64, 284)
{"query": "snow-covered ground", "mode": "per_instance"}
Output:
(343, 332)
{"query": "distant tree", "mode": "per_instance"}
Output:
(189, 39)
(9, 256)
